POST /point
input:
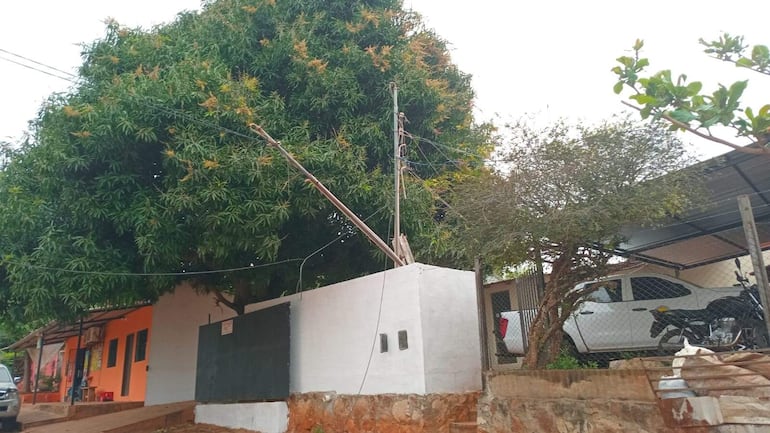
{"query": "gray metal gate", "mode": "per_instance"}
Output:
(529, 292)
(245, 358)
(520, 294)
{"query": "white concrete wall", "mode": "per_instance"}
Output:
(720, 274)
(174, 344)
(450, 330)
(335, 344)
(259, 417)
(333, 329)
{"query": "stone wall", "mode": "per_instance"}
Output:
(571, 401)
(386, 413)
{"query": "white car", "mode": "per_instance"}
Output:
(616, 316)
(10, 402)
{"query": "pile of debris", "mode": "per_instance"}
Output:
(701, 372)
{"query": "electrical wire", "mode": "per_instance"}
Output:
(436, 195)
(147, 100)
(438, 145)
(379, 317)
(301, 266)
(35, 69)
(435, 146)
(153, 274)
(38, 63)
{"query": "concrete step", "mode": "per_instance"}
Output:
(147, 419)
(463, 427)
(54, 408)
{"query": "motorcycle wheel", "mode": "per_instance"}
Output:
(673, 340)
(759, 339)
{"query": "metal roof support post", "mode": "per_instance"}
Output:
(25, 372)
(74, 375)
(752, 242)
(40, 342)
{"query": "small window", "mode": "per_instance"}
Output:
(112, 353)
(141, 346)
(607, 291)
(649, 288)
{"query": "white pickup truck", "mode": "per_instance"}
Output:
(616, 316)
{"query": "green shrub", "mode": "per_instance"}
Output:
(567, 361)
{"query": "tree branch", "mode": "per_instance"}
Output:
(761, 150)
(735, 62)
(222, 300)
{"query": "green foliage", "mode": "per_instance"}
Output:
(147, 164)
(562, 196)
(571, 185)
(566, 361)
(687, 107)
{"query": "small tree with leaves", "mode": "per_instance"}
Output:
(561, 196)
(687, 107)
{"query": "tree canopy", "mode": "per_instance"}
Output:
(561, 196)
(147, 166)
(687, 107)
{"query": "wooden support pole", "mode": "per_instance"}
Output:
(480, 306)
(755, 250)
(373, 237)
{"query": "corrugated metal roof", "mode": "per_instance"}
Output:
(714, 232)
(56, 332)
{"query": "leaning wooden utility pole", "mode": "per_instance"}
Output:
(328, 194)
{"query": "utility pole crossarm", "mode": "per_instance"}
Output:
(373, 237)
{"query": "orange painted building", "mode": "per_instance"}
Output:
(113, 358)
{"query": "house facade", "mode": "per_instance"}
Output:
(109, 364)
(114, 359)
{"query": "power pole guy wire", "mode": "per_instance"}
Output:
(328, 194)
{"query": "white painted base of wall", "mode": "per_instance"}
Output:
(259, 417)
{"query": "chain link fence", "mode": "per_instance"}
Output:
(639, 310)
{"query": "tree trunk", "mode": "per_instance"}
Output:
(546, 333)
(242, 297)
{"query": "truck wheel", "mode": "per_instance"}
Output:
(673, 340)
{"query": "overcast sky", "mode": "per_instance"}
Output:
(543, 59)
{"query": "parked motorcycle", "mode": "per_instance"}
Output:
(727, 323)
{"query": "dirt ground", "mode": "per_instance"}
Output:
(201, 428)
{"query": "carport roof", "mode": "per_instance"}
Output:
(56, 332)
(714, 233)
